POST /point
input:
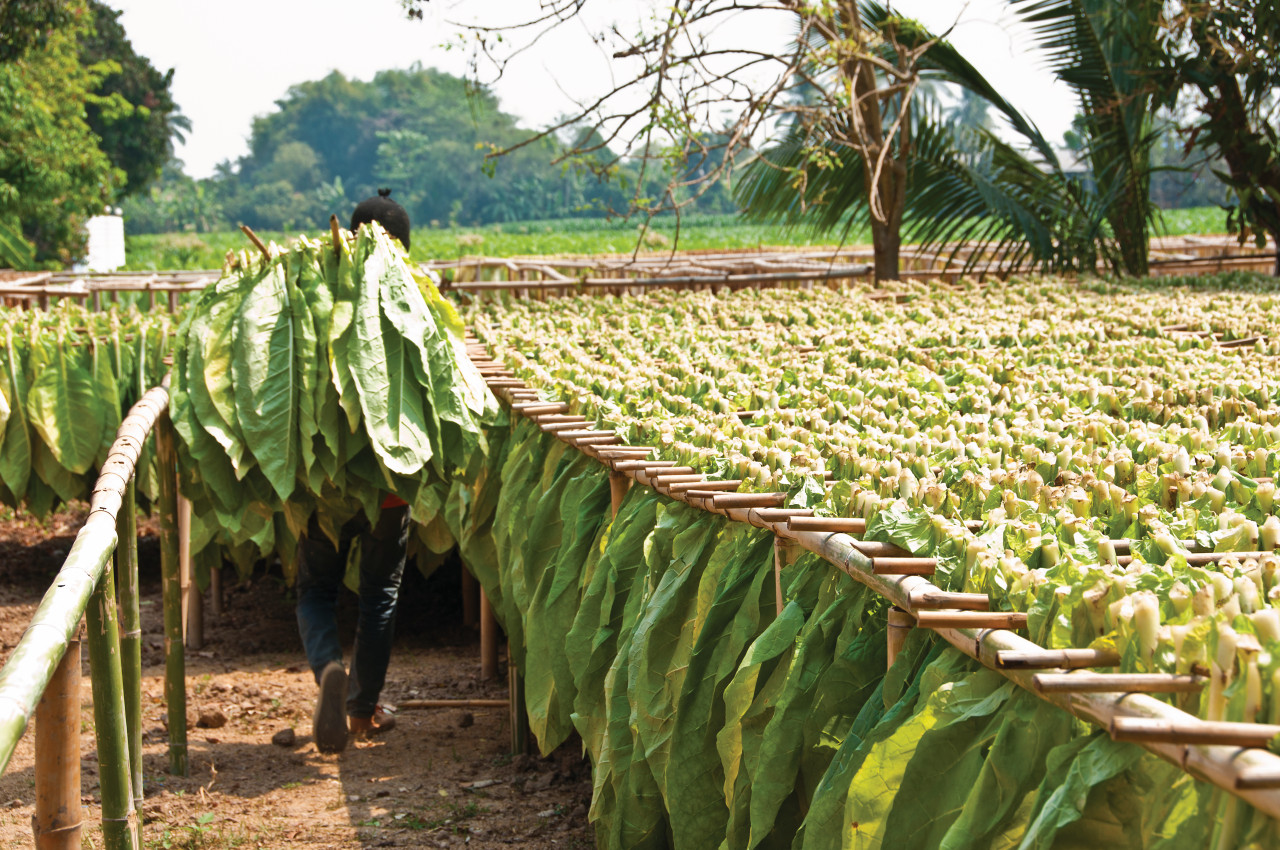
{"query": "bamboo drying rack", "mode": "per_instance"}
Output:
(540, 276)
(1231, 758)
(42, 675)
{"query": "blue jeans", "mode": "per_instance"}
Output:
(320, 572)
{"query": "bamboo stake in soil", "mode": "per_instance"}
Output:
(119, 818)
(488, 639)
(192, 603)
(56, 823)
(519, 719)
(55, 622)
(470, 598)
(175, 684)
(215, 591)
(130, 633)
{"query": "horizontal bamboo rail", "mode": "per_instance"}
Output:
(57, 619)
(1101, 683)
(987, 637)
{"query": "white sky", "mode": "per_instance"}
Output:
(234, 59)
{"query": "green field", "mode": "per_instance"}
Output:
(567, 236)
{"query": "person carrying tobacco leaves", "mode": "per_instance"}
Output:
(347, 706)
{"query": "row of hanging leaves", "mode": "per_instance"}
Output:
(67, 376)
(315, 379)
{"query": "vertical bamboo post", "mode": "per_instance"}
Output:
(779, 558)
(119, 818)
(515, 705)
(215, 590)
(192, 601)
(488, 639)
(900, 625)
(470, 598)
(56, 822)
(131, 631)
(175, 684)
(618, 486)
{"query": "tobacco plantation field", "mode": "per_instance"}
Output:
(570, 236)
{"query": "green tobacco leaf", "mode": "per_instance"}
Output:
(837, 664)
(582, 504)
(266, 386)
(210, 349)
(749, 701)
(944, 700)
(381, 362)
(824, 824)
(64, 408)
(740, 609)
(1074, 769)
(593, 639)
(15, 451)
(677, 554)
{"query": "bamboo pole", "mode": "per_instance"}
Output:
(417, 704)
(215, 591)
(130, 633)
(470, 597)
(723, 486)
(1258, 778)
(56, 822)
(619, 484)
(488, 639)
(57, 619)
(1192, 731)
(519, 718)
(923, 599)
(564, 428)
(749, 500)
(192, 603)
(120, 828)
(900, 625)
(175, 686)
(1104, 683)
(637, 465)
(1066, 659)
(971, 620)
(892, 566)
(844, 525)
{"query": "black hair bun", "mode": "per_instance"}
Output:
(393, 217)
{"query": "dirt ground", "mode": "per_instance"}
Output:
(442, 778)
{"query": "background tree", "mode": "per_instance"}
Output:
(422, 132)
(1102, 50)
(837, 80)
(132, 110)
(52, 173)
(1221, 58)
(28, 23)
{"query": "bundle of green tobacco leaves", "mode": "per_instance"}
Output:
(318, 382)
(67, 377)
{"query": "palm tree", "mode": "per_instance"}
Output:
(1016, 201)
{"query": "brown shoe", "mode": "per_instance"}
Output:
(381, 721)
(328, 723)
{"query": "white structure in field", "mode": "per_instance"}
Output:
(106, 242)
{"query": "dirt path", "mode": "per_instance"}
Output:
(442, 778)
